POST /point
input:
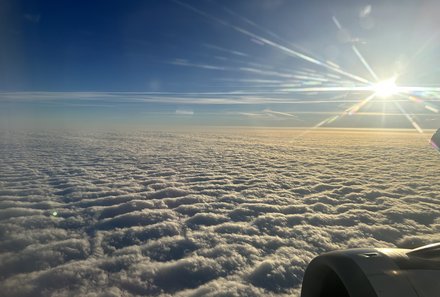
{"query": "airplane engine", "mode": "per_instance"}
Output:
(374, 273)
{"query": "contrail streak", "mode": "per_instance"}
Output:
(328, 89)
(225, 50)
(222, 68)
(279, 113)
(274, 35)
(286, 50)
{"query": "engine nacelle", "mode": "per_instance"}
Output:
(375, 273)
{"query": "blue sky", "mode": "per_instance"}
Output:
(222, 62)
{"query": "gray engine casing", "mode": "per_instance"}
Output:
(375, 273)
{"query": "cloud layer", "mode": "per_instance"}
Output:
(207, 214)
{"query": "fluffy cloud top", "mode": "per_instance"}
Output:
(209, 214)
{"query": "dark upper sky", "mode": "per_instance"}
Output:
(239, 58)
(132, 45)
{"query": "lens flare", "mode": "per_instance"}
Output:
(308, 81)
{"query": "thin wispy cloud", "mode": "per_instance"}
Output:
(231, 97)
(184, 112)
(224, 50)
(279, 113)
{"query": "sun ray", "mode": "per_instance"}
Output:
(274, 35)
(349, 111)
(409, 117)
(426, 105)
(364, 62)
(310, 81)
(419, 89)
(358, 53)
(273, 44)
(354, 109)
(419, 52)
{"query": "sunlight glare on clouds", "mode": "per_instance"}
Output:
(386, 88)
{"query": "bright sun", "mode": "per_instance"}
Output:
(386, 88)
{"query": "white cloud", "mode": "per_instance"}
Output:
(184, 112)
(104, 99)
(212, 214)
